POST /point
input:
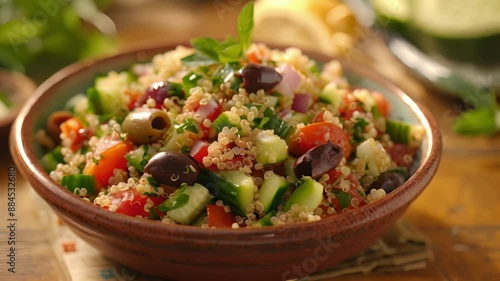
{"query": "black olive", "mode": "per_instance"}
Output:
(318, 160)
(256, 77)
(172, 168)
(387, 181)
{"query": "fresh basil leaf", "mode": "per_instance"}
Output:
(245, 26)
(231, 53)
(208, 46)
(198, 59)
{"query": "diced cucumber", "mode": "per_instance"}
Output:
(399, 131)
(201, 219)
(309, 194)
(299, 117)
(271, 148)
(272, 121)
(75, 183)
(175, 141)
(226, 119)
(289, 165)
(272, 190)
(52, 158)
(331, 95)
(108, 94)
(235, 188)
(138, 158)
(272, 101)
(188, 212)
(266, 220)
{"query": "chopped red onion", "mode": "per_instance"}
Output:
(301, 102)
(290, 82)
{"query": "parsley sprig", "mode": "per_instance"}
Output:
(211, 51)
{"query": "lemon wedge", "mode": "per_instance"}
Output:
(327, 26)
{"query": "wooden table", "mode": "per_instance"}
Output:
(459, 211)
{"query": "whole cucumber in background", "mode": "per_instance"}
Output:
(457, 45)
(460, 30)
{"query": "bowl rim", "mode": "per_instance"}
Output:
(24, 156)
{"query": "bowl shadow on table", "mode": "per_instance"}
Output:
(459, 252)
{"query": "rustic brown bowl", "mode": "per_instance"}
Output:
(189, 253)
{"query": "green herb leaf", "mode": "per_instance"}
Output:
(484, 119)
(177, 200)
(207, 46)
(198, 59)
(188, 125)
(481, 121)
(344, 198)
(231, 53)
(245, 26)
(211, 51)
(359, 129)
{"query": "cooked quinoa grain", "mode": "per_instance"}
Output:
(217, 145)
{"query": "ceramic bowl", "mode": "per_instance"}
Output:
(189, 253)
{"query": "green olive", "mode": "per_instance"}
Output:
(144, 126)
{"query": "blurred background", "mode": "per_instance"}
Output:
(462, 62)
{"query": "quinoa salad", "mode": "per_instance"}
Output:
(229, 134)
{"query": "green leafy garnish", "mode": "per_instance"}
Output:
(344, 198)
(481, 121)
(175, 201)
(484, 119)
(210, 51)
(245, 26)
(359, 129)
(188, 125)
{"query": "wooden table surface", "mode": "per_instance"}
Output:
(459, 211)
